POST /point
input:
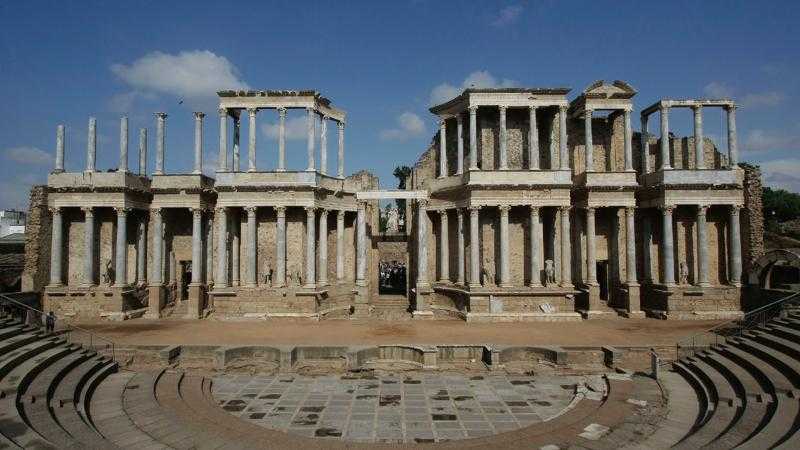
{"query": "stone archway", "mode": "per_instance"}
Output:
(777, 269)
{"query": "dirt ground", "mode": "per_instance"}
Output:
(622, 332)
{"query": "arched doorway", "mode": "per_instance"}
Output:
(777, 269)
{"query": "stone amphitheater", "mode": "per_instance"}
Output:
(729, 389)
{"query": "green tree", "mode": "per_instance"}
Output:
(401, 173)
(780, 205)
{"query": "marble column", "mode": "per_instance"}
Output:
(702, 246)
(444, 248)
(339, 246)
(322, 275)
(535, 236)
(141, 252)
(208, 269)
(733, 152)
(566, 259)
(173, 268)
(157, 271)
(562, 138)
(630, 245)
(237, 134)
(665, 162)
(505, 264)
(197, 245)
(281, 139)
(222, 161)
(361, 245)
(340, 168)
(699, 157)
(198, 143)
(161, 130)
(310, 126)
(735, 239)
(221, 280)
(91, 145)
(143, 152)
(589, 145)
(460, 262)
(311, 219)
(123, 144)
(280, 247)
(59, 149)
(628, 141)
(473, 138)
(503, 139)
(252, 246)
(251, 141)
(459, 144)
(474, 247)
(645, 144)
(88, 242)
(591, 261)
(422, 242)
(323, 145)
(120, 266)
(533, 139)
(442, 148)
(56, 247)
(236, 247)
(647, 240)
(667, 247)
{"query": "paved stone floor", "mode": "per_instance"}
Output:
(408, 407)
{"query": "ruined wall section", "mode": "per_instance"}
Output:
(752, 218)
(38, 235)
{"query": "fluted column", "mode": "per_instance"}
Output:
(444, 247)
(734, 235)
(251, 141)
(591, 261)
(198, 144)
(222, 161)
(91, 145)
(143, 152)
(323, 145)
(339, 246)
(474, 247)
(311, 276)
(562, 138)
(422, 243)
(221, 280)
(473, 138)
(505, 265)
(667, 247)
(237, 134)
(645, 136)
(280, 250)
(630, 245)
(647, 240)
(161, 130)
(197, 245)
(361, 245)
(665, 162)
(141, 252)
(120, 267)
(566, 258)
(459, 144)
(123, 144)
(442, 148)
(281, 139)
(533, 140)
(208, 269)
(322, 276)
(56, 247)
(340, 168)
(503, 139)
(88, 241)
(310, 125)
(587, 131)
(252, 245)
(699, 160)
(173, 268)
(702, 247)
(236, 247)
(157, 271)
(628, 141)
(460, 263)
(535, 235)
(733, 151)
(59, 149)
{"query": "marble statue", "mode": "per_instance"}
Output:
(683, 273)
(549, 272)
(393, 220)
(268, 274)
(108, 275)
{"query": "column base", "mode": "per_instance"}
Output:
(155, 302)
(422, 315)
(195, 305)
(634, 300)
(505, 285)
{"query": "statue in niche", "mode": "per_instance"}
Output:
(393, 220)
(298, 277)
(268, 274)
(488, 276)
(549, 272)
(108, 274)
(683, 273)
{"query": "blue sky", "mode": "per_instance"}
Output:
(382, 62)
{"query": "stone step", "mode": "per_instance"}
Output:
(787, 333)
(8, 346)
(23, 353)
(705, 405)
(88, 390)
(783, 372)
(779, 343)
(681, 413)
(788, 323)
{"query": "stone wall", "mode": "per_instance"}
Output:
(38, 236)
(752, 217)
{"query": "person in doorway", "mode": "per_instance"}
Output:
(50, 322)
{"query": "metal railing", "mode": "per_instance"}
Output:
(75, 335)
(735, 328)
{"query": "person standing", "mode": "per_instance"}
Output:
(50, 322)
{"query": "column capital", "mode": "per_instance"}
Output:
(534, 209)
(250, 209)
(155, 211)
(160, 115)
(459, 212)
(122, 211)
(562, 108)
(702, 210)
(564, 208)
(88, 211)
(697, 108)
(590, 209)
(735, 209)
(588, 111)
(323, 211)
(627, 110)
(473, 110)
(220, 209)
(281, 111)
(197, 212)
(324, 117)
(663, 108)
(340, 125)
(223, 112)
(198, 114)
(281, 210)
(252, 111)
(504, 208)
(55, 210)
(667, 209)
(731, 108)
(502, 108)
(361, 204)
(310, 209)
(340, 214)
(442, 212)
(474, 208)
(422, 204)
(533, 107)
(442, 122)
(630, 210)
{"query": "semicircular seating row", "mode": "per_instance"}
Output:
(54, 394)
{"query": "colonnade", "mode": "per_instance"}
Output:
(589, 146)
(590, 277)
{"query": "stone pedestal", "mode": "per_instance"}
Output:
(156, 301)
(633, 302)
(361, 303)
(194, 308)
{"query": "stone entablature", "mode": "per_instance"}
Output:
(272, 99)
(97, 181)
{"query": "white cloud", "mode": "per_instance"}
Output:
(296, 128)
(758, 140)
(782, 174)
(507, 15)
(718, 89)
(188, 74)
(28, 155)
(122, 103)
(477, 79)
(408, 125)
(15, 191)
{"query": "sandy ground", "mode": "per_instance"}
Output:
(622, 332)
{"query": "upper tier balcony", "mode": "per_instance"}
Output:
(274, 179)
(94, 181)
(694, 177)
(516, 178)
(607, 179)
